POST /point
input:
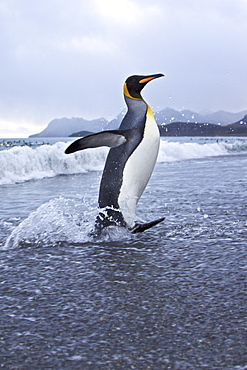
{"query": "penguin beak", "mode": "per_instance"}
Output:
(149, 78)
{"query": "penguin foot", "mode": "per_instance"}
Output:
(139, 228)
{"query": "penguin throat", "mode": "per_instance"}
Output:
(137, 109)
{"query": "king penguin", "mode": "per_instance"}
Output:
(130, 161)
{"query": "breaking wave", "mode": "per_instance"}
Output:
(20, 164)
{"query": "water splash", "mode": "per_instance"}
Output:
(61, 221)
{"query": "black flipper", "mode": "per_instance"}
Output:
(139, 228)
(111, 138)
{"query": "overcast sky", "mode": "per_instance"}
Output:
(70, 57)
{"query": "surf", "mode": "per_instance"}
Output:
(21, 164)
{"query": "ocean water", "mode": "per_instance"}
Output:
(173, 297)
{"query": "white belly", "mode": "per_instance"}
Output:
(138, 169)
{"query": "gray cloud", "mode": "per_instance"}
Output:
(63, 58)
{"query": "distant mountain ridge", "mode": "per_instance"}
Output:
(202, 129)
(63, 127)
(169, 115)
(241, 123)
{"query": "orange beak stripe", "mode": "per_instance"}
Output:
(146, 80)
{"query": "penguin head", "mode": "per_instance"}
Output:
(134, 85)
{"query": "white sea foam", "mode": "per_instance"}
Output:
(20, 164)
(177, 151)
